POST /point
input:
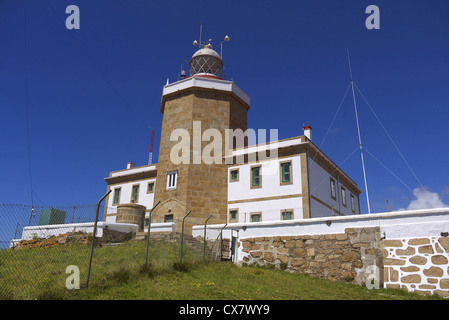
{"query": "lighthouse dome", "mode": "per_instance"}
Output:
(206, 61)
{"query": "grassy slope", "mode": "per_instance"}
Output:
(117, 273)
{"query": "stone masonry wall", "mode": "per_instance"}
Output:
(342, 256)
(195, 243)
(109, 236)
(417, 264)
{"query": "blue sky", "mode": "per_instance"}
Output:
(93, 93)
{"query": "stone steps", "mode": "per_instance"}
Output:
(196, 244)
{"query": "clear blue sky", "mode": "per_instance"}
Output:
(93, 93)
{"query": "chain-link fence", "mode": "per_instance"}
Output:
(44, 248)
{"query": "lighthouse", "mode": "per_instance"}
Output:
(201, 101)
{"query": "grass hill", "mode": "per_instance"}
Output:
(118, 273)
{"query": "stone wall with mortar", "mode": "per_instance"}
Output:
(108, 236)
(417, 264)
(131, 213)
(343, 256)
(414, 264)
(409, 248)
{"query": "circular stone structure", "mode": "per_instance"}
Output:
(131, 213)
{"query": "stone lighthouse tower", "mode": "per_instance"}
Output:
(201, 101)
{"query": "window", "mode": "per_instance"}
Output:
(233, 215)
(352, 203)
(234, 175)
(343, 196)
(150, 187)
(256, 177)
(116, 199)
(286, 172)
(135, 193)
(171, 179)
(287, 215)
(256, 217)
(333, 189)
(168, 218)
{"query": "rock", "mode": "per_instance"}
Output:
(413, 278)
(439, 259)
(433, 272)
(418, 260)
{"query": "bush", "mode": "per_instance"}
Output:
(121, 275)
(148, 270)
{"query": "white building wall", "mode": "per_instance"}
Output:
(319, 180)
(46, 231)
(271, 188)
(270, 209)
(145, 199)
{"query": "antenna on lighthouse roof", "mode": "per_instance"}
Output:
(196, 43)
(201, 31)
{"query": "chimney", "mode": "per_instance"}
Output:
(130, 165)
(307, 132)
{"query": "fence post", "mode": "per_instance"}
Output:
(204, 249)
(182, 234)
(73, 214)
(221, 242)
(93, 237)
(148, 234)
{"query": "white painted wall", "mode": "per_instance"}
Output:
(56, 229)
(319, 180)
(209, 83)
(127, 172)
(271, 187)
(161, 227)
(271, 209)
(145, 199)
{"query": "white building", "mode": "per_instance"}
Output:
(300, 182)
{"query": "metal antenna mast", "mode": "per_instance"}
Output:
(201, 31)
(358, 131)
(150, 159)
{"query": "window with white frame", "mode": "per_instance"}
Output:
(352, 203)
(172, 177)
(333, 189)
(343, 196)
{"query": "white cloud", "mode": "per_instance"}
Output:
(445, 191)
(425, 199)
